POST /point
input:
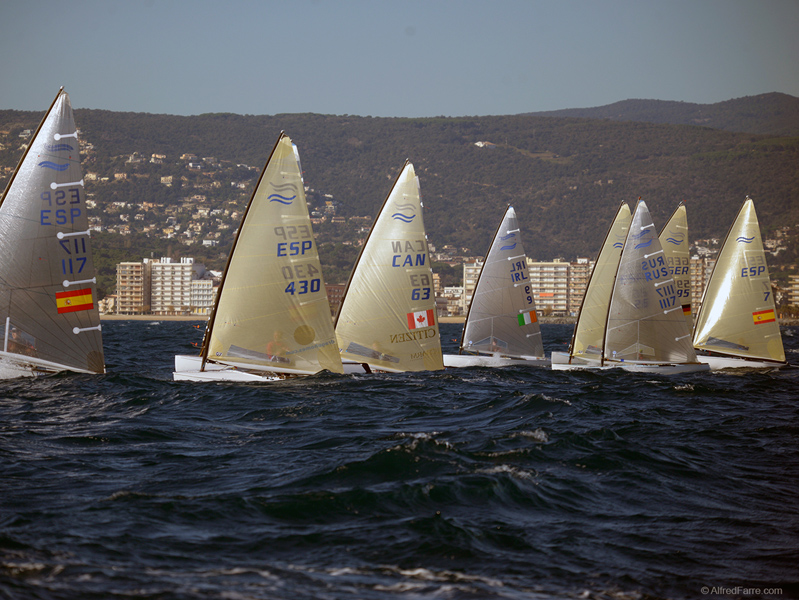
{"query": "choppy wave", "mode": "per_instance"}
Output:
(477, 483)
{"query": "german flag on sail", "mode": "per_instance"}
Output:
(686, 310)
(527, 317)
(764, 316)
(74, 300)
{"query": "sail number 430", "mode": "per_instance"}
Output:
(306, 276)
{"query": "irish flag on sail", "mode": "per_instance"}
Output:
(527, 317)
(421, 318)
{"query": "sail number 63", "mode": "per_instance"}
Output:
(421, 286)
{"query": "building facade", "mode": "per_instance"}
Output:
(133, 288)
(170, 286)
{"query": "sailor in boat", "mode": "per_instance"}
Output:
(277, 348)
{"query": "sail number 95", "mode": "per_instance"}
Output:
(420, 283)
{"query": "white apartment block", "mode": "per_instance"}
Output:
(202, 296)
(170, 286)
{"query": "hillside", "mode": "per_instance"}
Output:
(768, 114)
(565, 176)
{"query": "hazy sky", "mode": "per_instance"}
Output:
(407, 58)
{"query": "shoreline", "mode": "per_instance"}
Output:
(461, 319)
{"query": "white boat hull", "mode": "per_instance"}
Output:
(17, 365)
(560, 362)
(717, 363)
(489, 360)
(189, 368)
(563, 361)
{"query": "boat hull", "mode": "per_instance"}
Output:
(717, 363)
(189, 368)
(583, 364)
(16, 365)
(488, 360)
(563, 361)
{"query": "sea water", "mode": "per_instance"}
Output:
(513, 483)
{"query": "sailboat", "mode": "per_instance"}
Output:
(47, 280)
(677, 252)
(501, 327)
(387, 318)
(737, 322)
(646, 331)
(271, 319)
(589, 331)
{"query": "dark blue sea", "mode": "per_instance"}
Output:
(470, 484)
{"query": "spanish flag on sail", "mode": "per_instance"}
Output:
(764, 316)
(527, 317)
(74, 300)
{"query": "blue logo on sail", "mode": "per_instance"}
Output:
(401, 216)
(507, 237)
(281, 199)
(57, 147)
(637, 236)
(675, 238)
(47, 164)
(511, 247)
(745, 240)
(618, 245)
(643, 245)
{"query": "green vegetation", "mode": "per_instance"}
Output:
(565, 176)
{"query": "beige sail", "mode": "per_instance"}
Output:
(589, 331)
(645, 322)
(272, 312)
(677, 252)
(49, 318)
(387, 317)
(738, 316)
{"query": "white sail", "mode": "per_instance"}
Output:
(645, 320)
(48, 294)
(737, 317)
(387, 316)
(676, 249)
(502, 320)
(272, 313)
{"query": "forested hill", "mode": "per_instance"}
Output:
(769, 114)
(564, 176)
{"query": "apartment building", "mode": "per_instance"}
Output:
(701, 268)
(550, 284)
(202, 295)
(170, 286)
(133, 288)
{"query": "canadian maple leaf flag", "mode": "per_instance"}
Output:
(421, 318)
